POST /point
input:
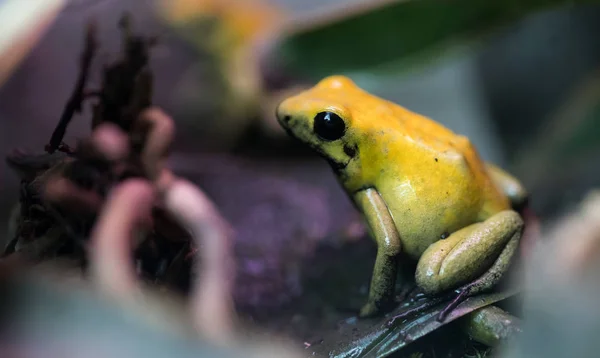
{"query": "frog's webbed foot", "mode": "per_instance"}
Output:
(370, 309)
(375, 308)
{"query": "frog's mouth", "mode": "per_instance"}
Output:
(294, 134)
(335, 164)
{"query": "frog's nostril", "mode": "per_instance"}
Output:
(283, 114)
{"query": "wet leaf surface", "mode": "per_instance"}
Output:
(377, 338)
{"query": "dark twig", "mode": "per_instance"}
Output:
(422, 307)
(456, 298)
(74, 104)
(462, 295)
(126, 84)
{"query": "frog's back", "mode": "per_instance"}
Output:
(451, 149)
(432, 179)
(372, 113)
(429, 133)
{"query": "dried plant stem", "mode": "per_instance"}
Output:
(74, 103)
(212, 302)
(125, 214)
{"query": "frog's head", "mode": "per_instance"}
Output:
(322, 117)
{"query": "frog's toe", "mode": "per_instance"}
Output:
(369, 310)
(372, 309)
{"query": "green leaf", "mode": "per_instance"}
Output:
(375, 338)
(393, 34)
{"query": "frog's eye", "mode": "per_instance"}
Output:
(329, 126)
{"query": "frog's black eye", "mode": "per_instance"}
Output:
(329, 126)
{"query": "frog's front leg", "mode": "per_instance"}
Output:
(510, 186)
(476, 256)
(383, 230)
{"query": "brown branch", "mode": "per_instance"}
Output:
(75, 102)
(158, 131)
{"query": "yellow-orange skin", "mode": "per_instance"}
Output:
(432, 180)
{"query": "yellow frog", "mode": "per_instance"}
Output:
(423, 190)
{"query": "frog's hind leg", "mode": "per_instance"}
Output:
(475, 257)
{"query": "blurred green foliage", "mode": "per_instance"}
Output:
(397, 35)
(584, 137)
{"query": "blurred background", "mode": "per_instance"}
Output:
(523, 85)
(521, 94)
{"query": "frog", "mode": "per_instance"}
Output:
(424, 191)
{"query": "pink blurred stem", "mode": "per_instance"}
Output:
(158, 141)
(211, 303)
(126, 211)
